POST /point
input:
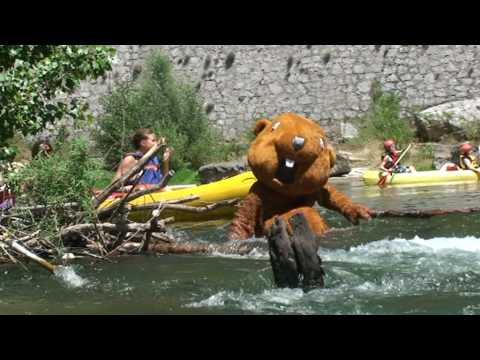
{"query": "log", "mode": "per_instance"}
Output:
(114, 228)
(11, 242)
(132, 196)
(304, 245)
(19, 248)
(103, 213)
(179, 248)
(131, 172)
(294, 258)
(41, 209)
(201, 209)
(282, 256)
(422, 213)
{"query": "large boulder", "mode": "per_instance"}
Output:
(443, 154)
(456, 119)
(214, 172)
(218, 171)
(342, 165)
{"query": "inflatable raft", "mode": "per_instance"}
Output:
(371, 177)
(235, 187)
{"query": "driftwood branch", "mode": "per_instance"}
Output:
(130, 173)
(114, 228)
(41, 209)
(422, 213)
(201, 209)
(19, 248)
(153, 189)
(104, 213)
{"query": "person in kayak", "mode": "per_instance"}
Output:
(389, 159)
(466, 159)
(154, 170)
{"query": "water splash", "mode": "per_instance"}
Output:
(68, 276)
(383, 277)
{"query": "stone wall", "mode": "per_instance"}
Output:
(330, 83)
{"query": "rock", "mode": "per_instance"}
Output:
(213, 172)
(443, 154)
(348, 131)
(217, 171)
(456, 119)
(342, 166)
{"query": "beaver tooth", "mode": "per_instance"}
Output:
(289, 163)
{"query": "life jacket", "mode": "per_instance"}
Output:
(473, 160)
(393, 159)
(152, 174)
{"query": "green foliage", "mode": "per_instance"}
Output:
(423, 158)
(67, 175)
(383, 120)
(185, 176)
(472, 130)
(102, 177)
(172, 109)
(32, 77)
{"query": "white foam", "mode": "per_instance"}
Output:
(68, 275)
(385, 269)
(396, 249)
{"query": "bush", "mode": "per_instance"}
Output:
(172, 109)
(383, 120)
(422, 158)
(185, 176)
(67, 175)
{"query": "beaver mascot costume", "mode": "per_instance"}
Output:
(291, 159)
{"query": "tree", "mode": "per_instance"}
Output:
(171, 107)
(34, 77)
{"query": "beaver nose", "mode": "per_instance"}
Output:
(298, 143)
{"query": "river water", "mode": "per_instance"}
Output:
(385, 266)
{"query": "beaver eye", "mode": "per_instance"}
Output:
(321, 143)
(275, 126)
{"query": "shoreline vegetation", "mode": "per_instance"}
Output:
(55, 218)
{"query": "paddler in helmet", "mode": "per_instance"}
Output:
(468, 158)
(390, 162)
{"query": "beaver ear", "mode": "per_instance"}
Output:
(333, 156)
(260, 125)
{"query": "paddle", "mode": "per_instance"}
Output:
(383, 178)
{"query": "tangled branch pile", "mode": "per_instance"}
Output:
(63, 232)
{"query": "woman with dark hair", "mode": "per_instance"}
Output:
(154, 170)
(41, 147)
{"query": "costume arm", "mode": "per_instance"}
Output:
(333, 199)
(246, 218)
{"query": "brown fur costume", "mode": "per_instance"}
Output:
(292, 160)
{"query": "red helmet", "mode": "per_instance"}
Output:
(387, 144)
(465, 148)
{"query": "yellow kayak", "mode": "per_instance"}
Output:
(231, 188)
(371, 177)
